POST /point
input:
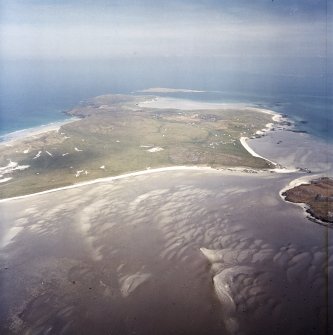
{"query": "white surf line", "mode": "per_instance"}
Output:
(110, 179)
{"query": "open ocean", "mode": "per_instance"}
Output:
(37, 93)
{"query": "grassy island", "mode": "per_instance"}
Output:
(115, 134)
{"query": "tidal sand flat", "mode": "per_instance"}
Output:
(157, 206)
(296, 150)
(174, 252)
(161, 216)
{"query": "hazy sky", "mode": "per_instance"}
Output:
(93, 29)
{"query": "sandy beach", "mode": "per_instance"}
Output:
(251, 151)
(159, 103)
(185, 186)
(110, 179)
(10, 138)
(183, 104)
(295, 150)
(176, 249)
(65, 153)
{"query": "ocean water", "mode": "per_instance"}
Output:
(38, 92)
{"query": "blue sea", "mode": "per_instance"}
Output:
(34, 93)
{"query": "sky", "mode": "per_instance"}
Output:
(99, 29)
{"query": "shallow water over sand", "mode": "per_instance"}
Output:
(167, 253)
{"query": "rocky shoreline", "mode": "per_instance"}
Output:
(317, 196)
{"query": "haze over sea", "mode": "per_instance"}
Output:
(34, 93)
(275, 53)
(95, 240)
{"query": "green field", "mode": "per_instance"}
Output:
(116, 134)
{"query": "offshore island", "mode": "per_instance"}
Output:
(116, 134)
(316, 195)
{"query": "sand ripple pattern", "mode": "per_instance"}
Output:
(172, 253)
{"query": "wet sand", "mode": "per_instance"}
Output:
(186, 104)
(171, 251)
(292, 150)
(175, 252)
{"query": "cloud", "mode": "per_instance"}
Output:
(99, 29)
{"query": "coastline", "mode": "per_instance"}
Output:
(10, 138)
(162, 102)
(278, 119)
(88, 212)
(185, 104)
(251, 151)
(186, 208)
(169, 90)
(113, 178)
(305, 180)
(278, 167)
(194, 168)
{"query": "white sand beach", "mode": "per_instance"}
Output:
(110, 179)
(251, 151)
(11, 138)
(160, 102)
(183, 104)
